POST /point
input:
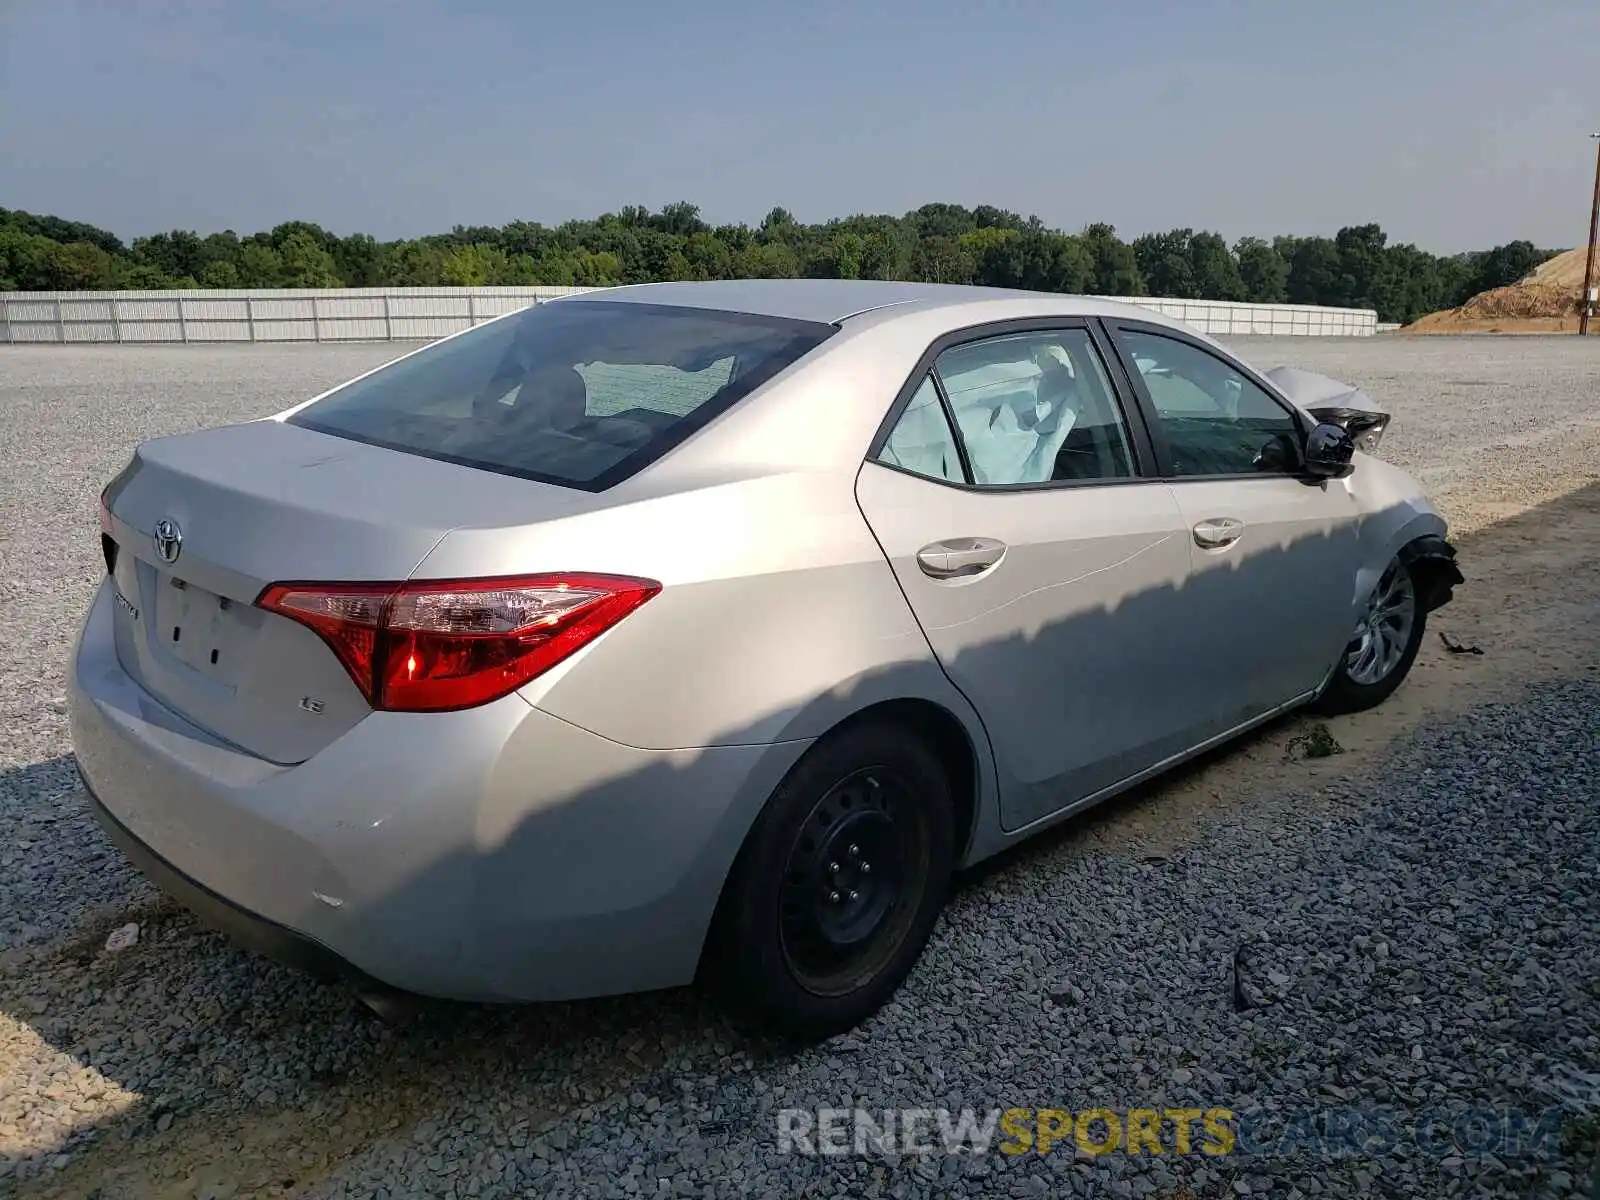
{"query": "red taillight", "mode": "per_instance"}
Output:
(429, 646)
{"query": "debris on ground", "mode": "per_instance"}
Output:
(1242, 1000)
(1257, 984)
(1316, 742)
(122, 938)
(1456, 646)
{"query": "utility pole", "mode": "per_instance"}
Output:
(1585, 303)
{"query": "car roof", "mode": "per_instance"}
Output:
(832, 301)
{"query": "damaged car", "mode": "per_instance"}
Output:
(702, 630)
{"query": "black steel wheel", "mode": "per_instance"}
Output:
(852, 883)
(839, 883)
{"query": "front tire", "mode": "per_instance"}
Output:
(839, 884)
(1385, 644)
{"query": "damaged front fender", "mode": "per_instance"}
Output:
(1432, 562)
(1334, 402)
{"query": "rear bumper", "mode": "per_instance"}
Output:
(494, 854)
(250, 930)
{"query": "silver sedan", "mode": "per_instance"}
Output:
(703, 630)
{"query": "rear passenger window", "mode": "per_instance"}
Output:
(921, 441)
(1035, 408)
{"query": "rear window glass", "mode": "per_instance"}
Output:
(581, 393)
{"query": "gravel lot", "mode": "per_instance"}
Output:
(1414, 925)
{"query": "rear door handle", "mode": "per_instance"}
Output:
(1218, 533)
(960, 558)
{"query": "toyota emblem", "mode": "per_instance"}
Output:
(168, 539)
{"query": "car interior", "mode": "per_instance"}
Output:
(569, 392)
(1215, 422)
(1031, 409)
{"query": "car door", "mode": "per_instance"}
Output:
(1010, 494)
(1273, 552)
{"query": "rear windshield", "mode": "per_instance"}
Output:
(579, 392)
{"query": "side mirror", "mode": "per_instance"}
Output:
(1329, 449)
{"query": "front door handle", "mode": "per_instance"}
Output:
(960, 558)
(1218, 533)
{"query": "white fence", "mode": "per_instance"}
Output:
(404, 314)
(263, 315)
(1223, 318)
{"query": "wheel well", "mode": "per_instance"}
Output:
(944, 734)
(947, 737)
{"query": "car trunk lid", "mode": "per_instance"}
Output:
(204, 522)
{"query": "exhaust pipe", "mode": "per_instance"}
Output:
(394, 1008)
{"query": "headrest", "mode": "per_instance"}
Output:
(558, 394)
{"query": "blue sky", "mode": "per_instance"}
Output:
(1455, 124)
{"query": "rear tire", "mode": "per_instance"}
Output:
(1379, 657)
(838, 885)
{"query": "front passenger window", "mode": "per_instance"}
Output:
(1216, 421)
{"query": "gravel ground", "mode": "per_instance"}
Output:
(1424, 933)
(1399, 954)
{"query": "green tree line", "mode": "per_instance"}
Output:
(943, 243)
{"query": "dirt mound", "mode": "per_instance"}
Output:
(1544, 302)
(1564, 270)
(1451, 321)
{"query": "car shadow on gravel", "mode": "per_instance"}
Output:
(1293, 737)
(201, 1047)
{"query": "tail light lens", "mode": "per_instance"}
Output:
(431, 646)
